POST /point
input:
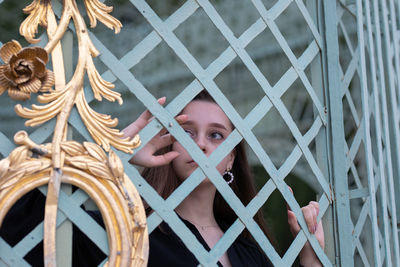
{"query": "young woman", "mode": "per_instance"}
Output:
(207, 215)
(204, 211)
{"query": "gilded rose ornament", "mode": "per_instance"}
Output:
(24, 71)
(92, 167)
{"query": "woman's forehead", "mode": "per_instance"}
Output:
(206, 111)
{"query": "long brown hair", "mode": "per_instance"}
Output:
(164, 181)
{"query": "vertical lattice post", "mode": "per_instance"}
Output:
(391, 53)
(391, 112)
(341, 193)
(322, 143)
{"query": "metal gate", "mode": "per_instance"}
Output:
(348, 70)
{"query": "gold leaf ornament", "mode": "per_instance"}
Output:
(37, 11)
(97, 10)
(29, 167)
(95, 151)
(100, 128)
(18, 155)
(116, 166)
(40, 114)
(72, 148)
(99, 169)
(24, 71)
(4, 164)
(100, 86)
(12, 171)
(80, 162)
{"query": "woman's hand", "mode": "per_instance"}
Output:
(310, 213)
(146, 156)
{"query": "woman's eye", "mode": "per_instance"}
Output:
(216, 136)
(189, 132)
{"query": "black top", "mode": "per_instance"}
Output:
(166, 248)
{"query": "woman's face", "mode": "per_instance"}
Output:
(208, 126)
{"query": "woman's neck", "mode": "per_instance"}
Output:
(197, 207)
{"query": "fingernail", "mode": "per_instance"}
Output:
(290, 189)
(315, 229)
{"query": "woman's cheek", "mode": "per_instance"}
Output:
(179, 148)
(221, 167)
(179, 163)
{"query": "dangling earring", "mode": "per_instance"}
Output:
(230, 174)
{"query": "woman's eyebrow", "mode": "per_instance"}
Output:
(218, 125)
(188, 123)
(213, 124)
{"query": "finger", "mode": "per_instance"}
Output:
(154, 161)
(181, 118)
(132, 129)
(315, 206)
(291, 190)
(287, 205)
(162, 141)
(310, 217)
(293, 224)
(162, 100)
(319, 234)
(163, 159)
(163, 132)
(146, 116)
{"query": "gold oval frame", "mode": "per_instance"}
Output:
(127, 233)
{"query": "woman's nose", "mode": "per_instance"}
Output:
(201, 142)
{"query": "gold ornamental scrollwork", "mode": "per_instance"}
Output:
(93, 167)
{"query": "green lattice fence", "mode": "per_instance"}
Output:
(348, 71)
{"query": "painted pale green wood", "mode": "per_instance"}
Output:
(366, 132)
(378, 129)
(314, 124)
(342, 205)
(147, 11)
(321, 140)
(395, 24)
(64, 237)
(70, 207)
(10, 256)
(393, 113)
(206, 165)
(394, 184)
(36, 235)
(327, 89)
(391, 46)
